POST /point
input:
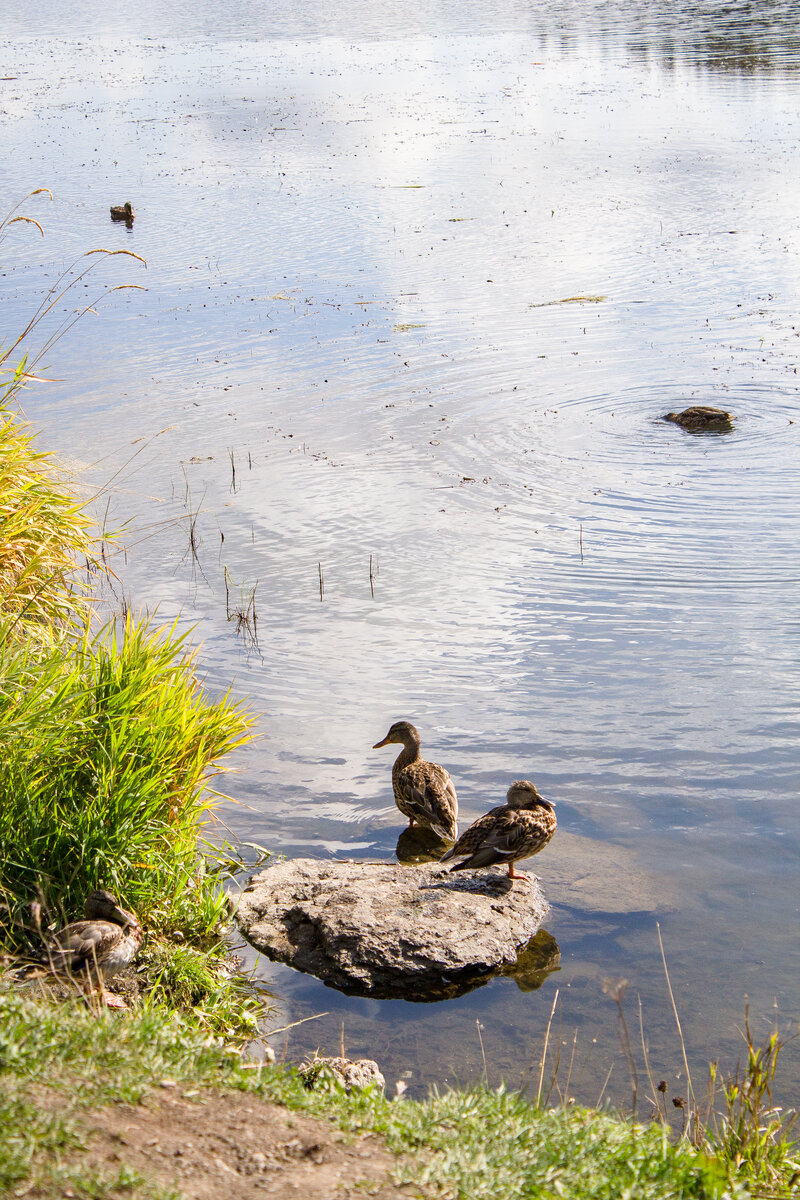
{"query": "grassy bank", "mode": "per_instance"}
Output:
(107, 746)
(475, 1144)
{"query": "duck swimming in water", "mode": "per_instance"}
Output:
(517, 829)
(699, 418)
(122, 212)
(95, 949)
(423, 791)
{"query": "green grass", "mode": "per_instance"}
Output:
(106, 746)
(46, 539)
(473, 1145)
(108, 743)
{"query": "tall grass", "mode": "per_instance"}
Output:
(106, 744)
(107, 740)
(47, 539)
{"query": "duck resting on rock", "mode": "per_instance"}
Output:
(517, 829)
(423, 791)
(93, 950)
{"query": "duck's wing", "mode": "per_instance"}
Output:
(475, 835)
(430, 797)
(505, 838)
(82, 944)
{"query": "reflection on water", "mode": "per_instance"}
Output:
(733, 36)
(540, 958)
(417, 844)
(422, 283)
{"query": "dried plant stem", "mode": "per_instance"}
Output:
(690, 1096)
(483, 1053)
(605, 1085)
(294, 1024)
(651, 1080)
(544, 1049)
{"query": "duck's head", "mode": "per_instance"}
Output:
(102, 906)
(523, 794)
(403, 732)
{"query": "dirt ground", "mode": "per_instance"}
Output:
(215, 1145)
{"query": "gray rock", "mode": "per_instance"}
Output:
(353, 1073)
(382, 929)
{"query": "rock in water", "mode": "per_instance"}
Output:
(385, 930)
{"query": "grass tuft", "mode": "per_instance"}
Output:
(107, 742)
(45, 537)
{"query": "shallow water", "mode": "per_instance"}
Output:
(421, 282)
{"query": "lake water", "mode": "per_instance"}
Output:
(420, 282)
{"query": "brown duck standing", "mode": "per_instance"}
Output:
(517, 829)
(423, 791)
(95, 949)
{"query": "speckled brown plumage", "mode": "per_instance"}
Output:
(699, 418)
(517, 829)
(95, 949)
(423, 791)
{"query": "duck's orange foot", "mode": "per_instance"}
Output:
(112, 1001)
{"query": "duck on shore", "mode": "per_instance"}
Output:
(122, 212)
(423, 791)
(93, 950)
(517, 829)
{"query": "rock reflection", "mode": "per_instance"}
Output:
(540, 958)
(536, 960)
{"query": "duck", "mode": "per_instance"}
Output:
(122, 212)
(700, 417)
(517, 829)
(423, 791)
(94, 950)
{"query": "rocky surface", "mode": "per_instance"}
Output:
(382, 929)
(352, 1073)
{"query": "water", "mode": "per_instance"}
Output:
(425, 278)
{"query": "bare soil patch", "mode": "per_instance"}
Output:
(219, 1144)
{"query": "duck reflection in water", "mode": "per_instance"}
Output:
(419, 845)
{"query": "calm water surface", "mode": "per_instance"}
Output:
(420, 282)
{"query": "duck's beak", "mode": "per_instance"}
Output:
(385, 742)
(127, 918)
